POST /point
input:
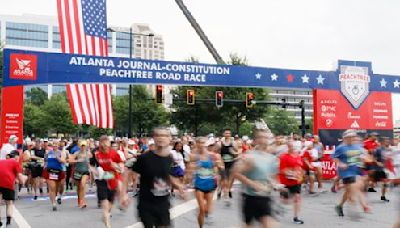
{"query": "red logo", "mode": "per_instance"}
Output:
(23, 66)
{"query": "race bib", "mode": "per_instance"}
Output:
(53, 176)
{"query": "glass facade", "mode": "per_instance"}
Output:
(122, 46)
(56, 37)
(26, 34)
(122, 90)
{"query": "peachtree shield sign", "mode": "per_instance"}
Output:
(354, 84)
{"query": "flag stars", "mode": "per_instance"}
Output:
(258, 76)
(305, 79)
(396, 84)
(274, 77)
(320, 79)
(383, 83)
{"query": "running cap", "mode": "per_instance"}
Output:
(349, 133)
(13, 138)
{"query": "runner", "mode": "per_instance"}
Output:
(205, 169)
(229, 154)
(348, 158)
(8, 147)
(80, 159)
(109, 168)
(257, 173)
(155, 181)
(291, 175)
(381, 158)
(10, 170)
(37, 163)
(65, 165)
(178, 165)
(53, 171)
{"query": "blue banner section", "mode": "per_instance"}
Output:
(28, 68)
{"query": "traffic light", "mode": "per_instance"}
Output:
(219, 99)
(190, 97)
(249, 99)
(159, 94)
(283, 103)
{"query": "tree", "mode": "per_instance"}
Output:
(37, 96)
(35, 122)
(281, 123)
(196, 118)
(58, 115)
(146, 113)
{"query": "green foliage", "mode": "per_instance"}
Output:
(36, 96)
(281, 123)
(34, 120)
(204, 117)
(58, 115)
(146, 114)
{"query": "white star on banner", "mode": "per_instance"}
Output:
(320, 79)
(305, 79)
(258, 75)
(396, 84)
(274, 77)
(383, 83)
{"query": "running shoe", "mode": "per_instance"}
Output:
(383, 198)
(371, 190)
(35, 198)
(219, 195)
(54, 208)
(59, 200)
(230, 195)
(339, 211)
(298, 221)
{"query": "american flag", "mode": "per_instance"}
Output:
(83, 30)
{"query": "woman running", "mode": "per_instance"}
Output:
(178, 165)
(53, 172)
(81, 171)
(205, 177)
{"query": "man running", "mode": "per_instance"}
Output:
(109, 168)
(257, 172)
(229, 153)
(8, 147)
(348, 159)
(155, 181)
(10, 169)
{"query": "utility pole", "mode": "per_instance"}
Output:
(200, 32)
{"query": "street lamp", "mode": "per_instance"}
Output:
(131, 34)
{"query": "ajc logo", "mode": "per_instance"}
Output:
(23, 66)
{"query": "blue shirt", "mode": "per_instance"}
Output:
(351, 156)
(74, 149)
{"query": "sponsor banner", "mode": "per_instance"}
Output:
(333, 111)
(12, 113)
(28, 67)
(328, 168)
(333, 137)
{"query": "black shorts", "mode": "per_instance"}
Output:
(205, 191)
(103, 192)
(349, 180)
(227, 170)
(379, 175)
(255, 207)
(7, 194)
(151, 214)
(37, 171)
(294, 189)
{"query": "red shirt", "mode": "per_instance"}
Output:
(370, 145)
(105, 160)
(294, 164)
(9, 170)
(307, 157)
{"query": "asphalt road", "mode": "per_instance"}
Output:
(317, 211)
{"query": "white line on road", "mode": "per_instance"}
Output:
(19, 219)
(176, 211)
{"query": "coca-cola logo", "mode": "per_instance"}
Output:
(23, 66)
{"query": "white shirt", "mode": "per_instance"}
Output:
(5, 150)
(178, 159)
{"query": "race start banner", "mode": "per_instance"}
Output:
(352, 96)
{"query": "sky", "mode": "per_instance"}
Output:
(307, 34)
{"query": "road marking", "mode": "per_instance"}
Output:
(176, 211)
(19, 219)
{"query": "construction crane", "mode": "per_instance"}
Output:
(200, 32)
